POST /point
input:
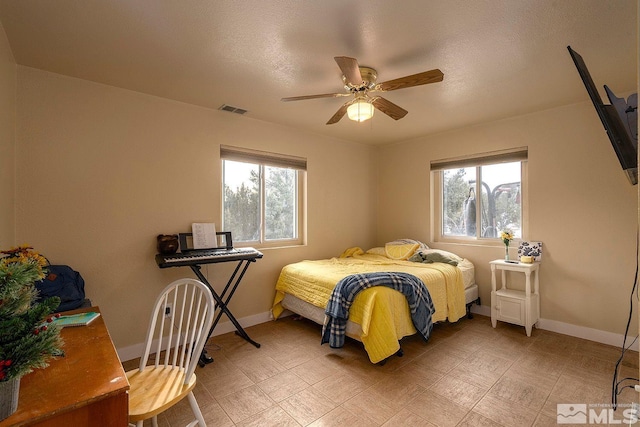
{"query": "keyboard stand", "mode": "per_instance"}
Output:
(223, 299)
(221, 303)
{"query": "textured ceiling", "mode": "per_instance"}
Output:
(500, 58)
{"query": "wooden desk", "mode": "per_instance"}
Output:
(86, 387)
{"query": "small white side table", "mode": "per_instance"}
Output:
(511, 305)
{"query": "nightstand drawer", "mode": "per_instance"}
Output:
(510, 309)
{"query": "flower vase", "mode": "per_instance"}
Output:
(506, 252)
(9, 391)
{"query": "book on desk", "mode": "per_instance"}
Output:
(79, 319)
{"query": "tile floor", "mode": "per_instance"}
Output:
(468, 374)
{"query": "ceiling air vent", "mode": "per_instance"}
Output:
(231, 109)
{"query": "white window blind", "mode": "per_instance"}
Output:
(262, 157)
(503, 156)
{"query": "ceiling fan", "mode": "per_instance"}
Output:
(360, 82)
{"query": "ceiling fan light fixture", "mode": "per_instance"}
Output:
(360, 82)
(360, 111)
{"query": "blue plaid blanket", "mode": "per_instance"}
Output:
(337, 311)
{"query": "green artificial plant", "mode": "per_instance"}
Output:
(28, 335)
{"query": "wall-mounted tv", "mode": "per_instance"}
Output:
(619, 120)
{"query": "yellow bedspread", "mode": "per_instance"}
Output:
(382, 313)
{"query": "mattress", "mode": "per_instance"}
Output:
(471, 294)
(468, 273)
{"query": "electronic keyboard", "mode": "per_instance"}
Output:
(207, 256)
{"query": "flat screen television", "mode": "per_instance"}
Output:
(619, 121)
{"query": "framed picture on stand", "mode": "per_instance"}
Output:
(532, 249)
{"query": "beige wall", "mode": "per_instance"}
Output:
(7, 142)
(581, 207)
(101, 171)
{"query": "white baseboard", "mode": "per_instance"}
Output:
(610, 338)
(590, 334)
(134, 351)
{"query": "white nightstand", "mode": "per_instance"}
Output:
(511, 305)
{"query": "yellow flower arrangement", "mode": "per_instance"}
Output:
(506, 236)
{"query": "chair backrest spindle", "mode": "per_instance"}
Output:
(187, 326)
(196, 330)
(159, 317)
(171, 299)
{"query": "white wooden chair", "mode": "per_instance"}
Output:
(174, 343)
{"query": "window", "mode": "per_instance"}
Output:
(262, 199)
(477, 197)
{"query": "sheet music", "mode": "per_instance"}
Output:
(204, 235)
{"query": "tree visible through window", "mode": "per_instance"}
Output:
(497, 208)
(480, 200)
(241, 202)
(280, 203)
(261, 202)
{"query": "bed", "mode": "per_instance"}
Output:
(379, 317)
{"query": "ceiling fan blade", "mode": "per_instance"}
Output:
(323, 95)
(339, 114)
(350, 69)
(424, 78)
(389, 108)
